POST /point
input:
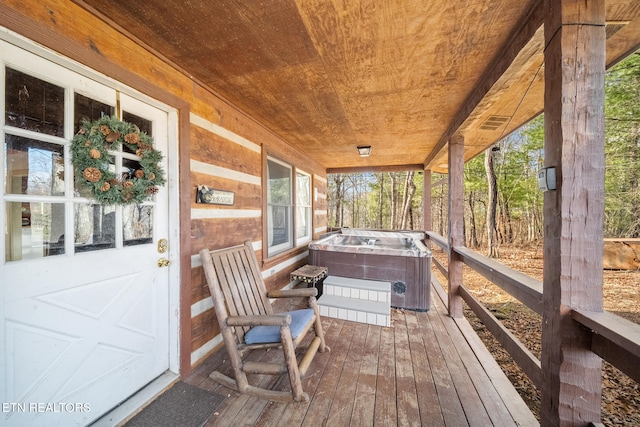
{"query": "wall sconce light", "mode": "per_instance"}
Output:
(547, 179)
(364, 150)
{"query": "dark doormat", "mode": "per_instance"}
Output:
(182, 405)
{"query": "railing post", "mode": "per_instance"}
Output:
(456, 221)
(573, 213)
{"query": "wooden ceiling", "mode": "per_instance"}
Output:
(398, 75)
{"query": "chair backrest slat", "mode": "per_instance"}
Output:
(254, 279)
(251, 303)
(239, 283)
(226, 281)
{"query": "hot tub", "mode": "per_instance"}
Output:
(399, 257)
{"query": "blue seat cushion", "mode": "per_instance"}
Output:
(271, 334)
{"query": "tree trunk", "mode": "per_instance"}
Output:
(507, 226)
(441, 224)
(394, 199)
(338, 179)
(355, 201)
(411, 222)
(529, 223)
(380, 200)
(492, 203)
(473, 232)
(407, 198)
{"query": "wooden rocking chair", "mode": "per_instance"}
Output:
(247, 321)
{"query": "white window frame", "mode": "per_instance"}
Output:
(307, 205)
(276, 248)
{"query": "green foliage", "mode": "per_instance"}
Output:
(94, 165)
(520, 159)
(622, 149)
(517, 159)
(475, 178)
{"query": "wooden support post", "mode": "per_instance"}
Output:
(426, 200)
(573, 213)
(456, 221)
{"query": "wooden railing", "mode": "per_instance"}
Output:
(613, 338)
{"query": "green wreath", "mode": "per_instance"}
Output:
(94, 165)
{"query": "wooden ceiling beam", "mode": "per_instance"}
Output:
(524, 33)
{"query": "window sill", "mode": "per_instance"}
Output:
(282, 256)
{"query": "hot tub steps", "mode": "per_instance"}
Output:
(357, 300)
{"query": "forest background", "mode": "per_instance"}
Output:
(502, 200)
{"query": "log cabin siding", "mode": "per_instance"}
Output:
(210, 144)
(224, 160)
(225, 147)
(203, 332)
(199, 288)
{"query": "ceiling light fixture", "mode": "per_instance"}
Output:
(364, 150)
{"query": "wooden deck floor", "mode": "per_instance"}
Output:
(427, 369)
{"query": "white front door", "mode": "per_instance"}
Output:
(84, 304)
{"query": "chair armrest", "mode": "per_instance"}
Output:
(293, 293)
(260, 320)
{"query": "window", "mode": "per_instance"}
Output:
(279, 207)
(303, 207)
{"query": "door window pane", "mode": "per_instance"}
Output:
(143, 124)
(137, 224)
(129, 168)
(89, 109)
(33, 230)
(33, 104)
(94, 227)
(33, 167)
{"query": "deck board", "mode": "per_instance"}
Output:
(385, 407)
(420, 371)
(407, 400)
(449, 403)
(365, 398)
(489, 397)
(471, 403)
(321, 402)
(342, 404)
(428, 404)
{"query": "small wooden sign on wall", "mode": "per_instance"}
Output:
(212, 196)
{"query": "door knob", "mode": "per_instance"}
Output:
(163, 262)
